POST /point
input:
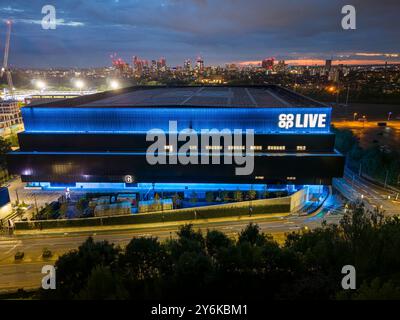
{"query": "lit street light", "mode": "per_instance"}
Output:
(355, 114)
(114, 84)
(331, 89)
(79, 84)
(389, 115)
(41, 85)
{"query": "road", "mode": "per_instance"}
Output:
(357, 188)
(31, 197)
(370, 134)
(27, 273)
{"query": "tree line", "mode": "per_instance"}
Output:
(377, 162)
(195, 265)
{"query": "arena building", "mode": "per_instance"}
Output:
(102, 140)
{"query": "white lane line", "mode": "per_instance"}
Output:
(12, 249)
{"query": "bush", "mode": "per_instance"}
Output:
(19, 255)
(46, 254)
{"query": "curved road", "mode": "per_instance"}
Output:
(27, 273)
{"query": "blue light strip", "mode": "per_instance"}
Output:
(171, 186)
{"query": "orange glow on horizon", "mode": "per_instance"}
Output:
(320, 62)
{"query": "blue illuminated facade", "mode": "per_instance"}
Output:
(89, 141)
(141, 120)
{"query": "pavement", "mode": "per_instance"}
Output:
(31, 197)
(356, 188)
(370, 134)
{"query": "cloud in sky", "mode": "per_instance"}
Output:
(59, 22)
(220, 30)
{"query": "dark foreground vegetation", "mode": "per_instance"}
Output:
(251, 267)
(377, 162)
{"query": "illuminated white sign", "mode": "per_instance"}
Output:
(290, 120)
(128, 179)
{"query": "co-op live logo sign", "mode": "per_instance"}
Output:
(290, 120)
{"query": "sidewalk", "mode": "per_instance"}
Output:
(127, 227)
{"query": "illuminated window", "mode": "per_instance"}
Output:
(259, 177)
(236, 147)
(276, 148)
(213, 147)
(291, 178)
(169, 148)
(301, 148)
(193, 147)
(258, 148)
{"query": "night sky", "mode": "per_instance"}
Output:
(222, 31)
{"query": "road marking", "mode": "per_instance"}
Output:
(12, 249)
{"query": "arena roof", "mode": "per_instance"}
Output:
(269, 96)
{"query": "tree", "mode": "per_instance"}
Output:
(144, 257)
(63, 209)
(215, 241)
(81, 205)
(176, 200)
(209, 196)
(377, 290)
(188, 240)
(252, 235)
(225, 196)
(251, 194)
(103, 284)
(74, 267)
(193, 197)
(5, 147)
(238, 195)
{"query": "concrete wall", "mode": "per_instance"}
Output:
(295, 201)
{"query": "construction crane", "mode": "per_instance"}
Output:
(5, 70)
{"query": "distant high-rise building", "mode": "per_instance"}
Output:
(153, 65)
(138, 65)
(328, 64)
(162, 64)
(281, 66)
(187, 65)
(10, 118)
(268, 63)
(200, 64)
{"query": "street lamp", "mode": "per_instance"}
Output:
(389, 115)
(114, 84)
(41, 85)
(355, 114)
(331, 89)
(79, 84)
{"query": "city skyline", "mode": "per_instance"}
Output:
(89, 31)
